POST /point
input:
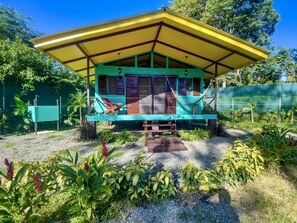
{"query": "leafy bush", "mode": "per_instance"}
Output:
(196, 134)
(22, 115)
(124, 137)
(162, 186)
(275, 147)
(192, 178)
(86, 182)
(22, 192)
(236, 115)
(106, 135)
(240, 164)
(138, 182)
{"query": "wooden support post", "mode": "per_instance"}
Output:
(88, 86)
(35, 123)
(216, 88)
(58, 122)
(212, 126)
(91, 125)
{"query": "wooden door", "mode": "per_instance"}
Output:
(159, 95)
(145, 95)
(170, 101)
(132, 95)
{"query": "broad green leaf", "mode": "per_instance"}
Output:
(204, 188)
(76, 157)
(2, 191)
(155, 186)
(135, 180)
(166, 180)
(67, 171)
(106, 189)
(20, 174)
(6, 219)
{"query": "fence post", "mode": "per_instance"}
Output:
(232, 108)
(35, 123)
(58, 126)
(279, 109)
(60, 117)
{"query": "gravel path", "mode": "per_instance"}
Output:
(193, 208)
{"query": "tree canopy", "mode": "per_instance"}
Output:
(14, 25)
(251, 20)
(24, 65)
(280, 66)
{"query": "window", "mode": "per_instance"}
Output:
(197, 83)
(185, 86)
(114, 85)
(102, 84)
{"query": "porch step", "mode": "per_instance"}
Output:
(155, 127)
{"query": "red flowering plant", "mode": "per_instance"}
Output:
(19, 192)
(85, 181)
(276, 148)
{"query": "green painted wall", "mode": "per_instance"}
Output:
(44, 113)
(101, 69)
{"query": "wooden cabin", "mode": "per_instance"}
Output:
(153, 66)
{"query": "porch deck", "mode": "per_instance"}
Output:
(151, 117)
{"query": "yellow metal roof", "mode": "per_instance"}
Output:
(162, 31)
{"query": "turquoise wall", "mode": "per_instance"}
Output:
(44, 113)
(179, 72)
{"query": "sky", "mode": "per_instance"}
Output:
(51, 16)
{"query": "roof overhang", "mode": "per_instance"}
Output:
(162, 31)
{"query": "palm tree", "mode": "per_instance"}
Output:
(251, 108)
(77, 101)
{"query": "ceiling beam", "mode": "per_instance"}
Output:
(109, 51)
(84, 69)
(157, 36)
(209, 41)
(84, 52)
(193, 54)
(228, 55)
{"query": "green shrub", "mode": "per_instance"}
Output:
(86, 182)
(162, 186)
(275, 147)
(242, 163)
(22, 193)
(106, 135)
(196, 134)
(124, 137)
(138, 182)
(193, 178)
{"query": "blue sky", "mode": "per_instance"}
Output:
(59, 15)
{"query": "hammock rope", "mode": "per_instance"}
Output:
(189, 104)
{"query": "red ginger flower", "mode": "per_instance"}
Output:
(86, 167)
(262, 151)
(9, 169)
(37, 182)
(104, 149)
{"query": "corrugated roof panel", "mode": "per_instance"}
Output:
(67, 53)
(120, 41)
(123, 53)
